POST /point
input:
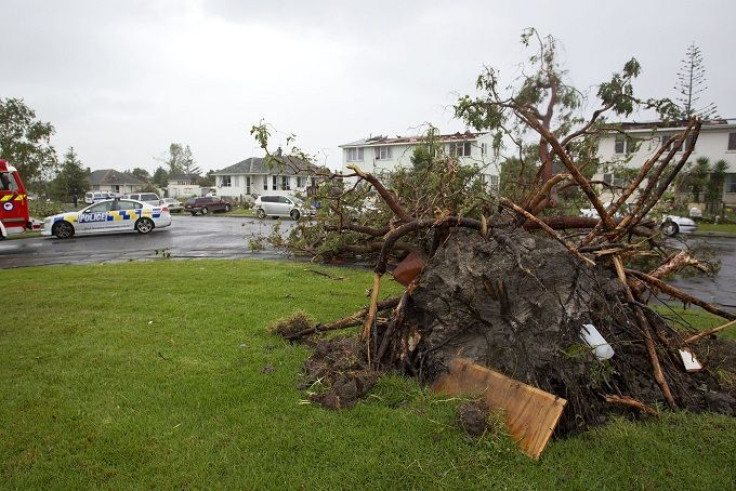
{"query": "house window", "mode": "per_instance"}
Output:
(493, 182)
(226, 181)
(460, 149)
(732, 141)
(686, 145)
(483, 149)
(613, 180)
(274, 183)
(247, 184)
(732, 184)
(354, 154)
(285, 183)
(383, 153)
(300, 181)
(689, 142)
(620, 146)
(265, 183)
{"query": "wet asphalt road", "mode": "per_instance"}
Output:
(721, 288)
(227, 238)
(188, 237)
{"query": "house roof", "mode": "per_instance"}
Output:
(111, 177)
(258, 165)
(183, 177)
(714, 124)
(404, 140)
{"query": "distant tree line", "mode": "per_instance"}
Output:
(25, 141)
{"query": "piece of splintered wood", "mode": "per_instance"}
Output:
(530, 414)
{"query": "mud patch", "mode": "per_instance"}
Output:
(473, 418)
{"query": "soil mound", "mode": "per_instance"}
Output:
(339, 371)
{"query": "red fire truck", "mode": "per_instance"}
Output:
(14, 218)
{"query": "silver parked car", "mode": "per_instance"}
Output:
(280, 206)
(173, 204)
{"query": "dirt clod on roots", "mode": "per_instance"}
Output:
(340, 369)
(294, 324)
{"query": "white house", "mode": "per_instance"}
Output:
(381, 154)
(252, 177)
(183, 186)
(716, 141)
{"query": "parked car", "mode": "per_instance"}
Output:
(280, 206)
(670, 225)
(205, 205)
(95, 196)
(114, 215)
(173, 204)
(150, 198)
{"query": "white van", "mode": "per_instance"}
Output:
(95, 196)
(150, 198)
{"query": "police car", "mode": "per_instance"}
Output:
(108, 216)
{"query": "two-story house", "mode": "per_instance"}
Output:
(636, 142)
(381, 154)
(254, 177)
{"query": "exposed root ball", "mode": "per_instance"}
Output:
(516, 303)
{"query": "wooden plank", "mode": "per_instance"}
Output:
(531, 414)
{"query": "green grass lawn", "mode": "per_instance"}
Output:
(716, 229)
(162, 375)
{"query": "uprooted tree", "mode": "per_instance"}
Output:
(509, 281)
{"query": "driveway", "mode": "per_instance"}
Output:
(209, 236)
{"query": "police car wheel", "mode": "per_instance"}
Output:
(144, 225)
(63, 230)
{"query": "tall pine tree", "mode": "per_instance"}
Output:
(691, 82)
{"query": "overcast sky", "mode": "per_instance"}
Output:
(121, 80)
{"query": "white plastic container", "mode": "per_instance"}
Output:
(601, 349)
(689, 361)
